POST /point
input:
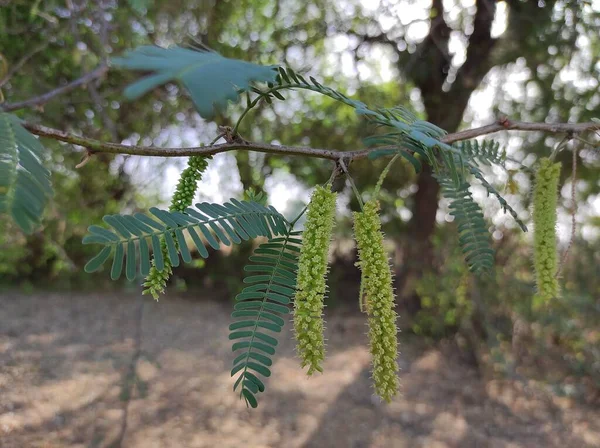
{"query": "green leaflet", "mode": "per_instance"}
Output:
(262, 307)
(131, 236)
(288, 79)
(473, 234)
(255, 196)
(25, 186)
(486, 152)
(140, 6)
(415, 141)
(416, 163)
(211, 79)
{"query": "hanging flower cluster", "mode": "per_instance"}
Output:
(156, 281)
(379, 298)
(188, 182)
(545, 257)
(311, 279)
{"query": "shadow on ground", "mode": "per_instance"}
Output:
(65, 381)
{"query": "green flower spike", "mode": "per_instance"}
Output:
(545, 257)
(377, 287)
(311, 280)
(156, 281)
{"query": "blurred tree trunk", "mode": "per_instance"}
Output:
(445, 105)
(445, 102)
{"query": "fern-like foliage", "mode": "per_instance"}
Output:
(229, 223)
(505, 205)
(415, 141)
(255, 196)
(211, 79)
(24, 182)
(456, 165)
(259, 309)
(473, 234)
(395, 139)
(418, 136)
(418, 133)
(487, 152)
(288, 79)
(415, 153)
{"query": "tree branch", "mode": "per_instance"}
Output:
(478, 59)
(43, 99)
(428, 66)
(117, 148)
(330, 154)
(15, 68)
(505, 124)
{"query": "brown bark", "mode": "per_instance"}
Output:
(445, 108)
(445, 103)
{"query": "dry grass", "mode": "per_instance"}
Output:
(64, 362)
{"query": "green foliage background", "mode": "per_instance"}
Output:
(66, 43)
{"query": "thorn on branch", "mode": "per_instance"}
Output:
(85, 159)
(504, 121)
(230, 136)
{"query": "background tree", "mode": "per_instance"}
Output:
(438, 61)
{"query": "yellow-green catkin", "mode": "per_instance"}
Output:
(156, 281)
(379, 297)
(545, 256)
(312, 278)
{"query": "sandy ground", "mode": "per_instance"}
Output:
(65, 382)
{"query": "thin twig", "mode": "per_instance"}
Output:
(352, 184)
(337, 170)
(561, 145)
(216, 139)
(509, 125)
(15, 68)
(582, 140)
(117, 148)
(330, 154)
(85, 159)
(43, 99)
(565, 256)
(383, 175)
(3, 65)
